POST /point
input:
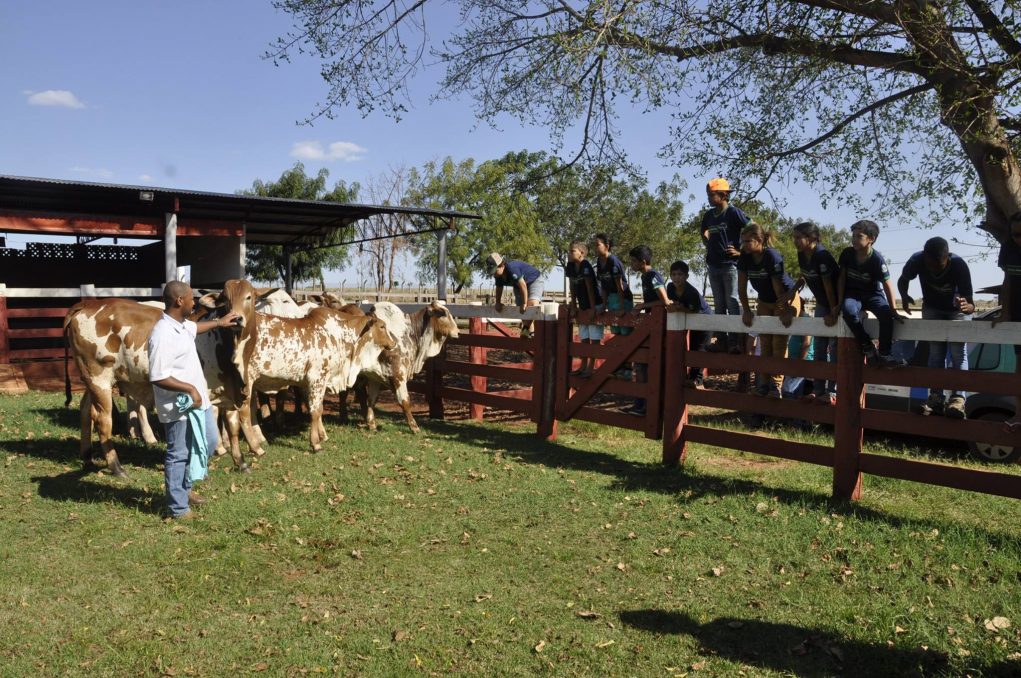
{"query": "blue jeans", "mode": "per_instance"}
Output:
(938, 349)
(723, 283)
(175, 463)
(824, 349)
(884, 314)
(615, 302)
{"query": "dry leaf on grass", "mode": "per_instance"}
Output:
(588, 614)
(540, 646)
(997, 623)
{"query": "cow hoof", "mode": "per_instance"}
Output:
(244, 468)
(317, 449)
(258, 452)
(220, 451)
(416, 430)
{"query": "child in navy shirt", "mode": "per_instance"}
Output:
(653, 294)
(946, 295)
(687, 299)
(865, 285)
(584, 295)
(820, 272)
(721, 233)
(763, 267)
(1010, 302)
(613, 281)
(522, 278)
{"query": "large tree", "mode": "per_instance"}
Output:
(916, 99)
(267, 263)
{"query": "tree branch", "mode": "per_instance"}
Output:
(851, 118)
(996, 29)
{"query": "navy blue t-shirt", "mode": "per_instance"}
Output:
(724, 231)
(651, 281)
(939, 291)
(607, 272)
(516, 270)
(760, 274)
(866, 278)
(578, 273)
(817, 267)
(689, 298)
(1010, 261)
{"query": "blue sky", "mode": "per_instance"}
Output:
(176, 94)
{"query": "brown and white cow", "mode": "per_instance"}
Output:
(324, 350)
(420, 336)
(108, 339)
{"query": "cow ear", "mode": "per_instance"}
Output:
(317, 298)
(208, 301)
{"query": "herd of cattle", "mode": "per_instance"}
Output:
(319, 347)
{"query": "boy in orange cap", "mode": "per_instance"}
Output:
(721, 233)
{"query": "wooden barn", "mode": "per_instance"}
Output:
(156, 234)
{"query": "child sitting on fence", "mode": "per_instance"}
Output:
(820, 271)
(688, 300)
(763, 267)
(653, 294)
(585, 295)
(613, 281)
(864, 284)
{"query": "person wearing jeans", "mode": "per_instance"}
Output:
(820, 272)
(721, 233)
(946, 295)
(175, 463)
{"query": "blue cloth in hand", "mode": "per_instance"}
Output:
(198, 455)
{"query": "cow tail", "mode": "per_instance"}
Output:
(67, 374)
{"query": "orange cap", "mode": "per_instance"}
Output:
(718, 184)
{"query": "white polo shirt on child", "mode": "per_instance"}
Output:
(172, 353)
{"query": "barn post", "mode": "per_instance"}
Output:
(441, 262)
(847, 429)
(170, 247)
(243, 250)
(5, 346)
(675, 407)
(288, 279)
(477, 356)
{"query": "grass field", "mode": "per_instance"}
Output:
(480, 550)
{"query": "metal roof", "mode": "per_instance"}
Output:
(268, 221)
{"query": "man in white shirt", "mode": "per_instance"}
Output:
(174, 368)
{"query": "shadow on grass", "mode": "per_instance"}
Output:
(653, 476)
(799, 650)
(78, 486)
(130, 452)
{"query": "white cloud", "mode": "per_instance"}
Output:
(338, 150)
(54, 97)
(146, 178)
(93, 172)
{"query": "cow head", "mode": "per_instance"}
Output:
(435, 326)
(239, 296)
(373, 339)
(328, 300)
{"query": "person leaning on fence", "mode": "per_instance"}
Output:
(1010, 302)
(821, 273)
(763, 267)
(864, 285)
(613, 281)
(174, 369)
(653, 294)
(946, 295)
(687, 299)
(522, 278)
(721, 233)
(585, 295)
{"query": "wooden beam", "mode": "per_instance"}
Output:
(974, 480)
(760, 444)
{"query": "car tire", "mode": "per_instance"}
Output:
(995, 454)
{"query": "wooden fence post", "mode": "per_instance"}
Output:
(546, 357)
(5, 345)
(847, 430)
(675, 409)
(564, 362)
(433, 382)
(477, 356)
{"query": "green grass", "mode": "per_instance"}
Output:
(481, 550)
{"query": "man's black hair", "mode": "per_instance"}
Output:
(936, 248)
(606, 239)
(642, 253)
(681, 266)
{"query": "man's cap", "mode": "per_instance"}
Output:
(718, 184)
(493, 262)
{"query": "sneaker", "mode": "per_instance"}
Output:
(869, 351)
(933, 405)
(196, 499)
(955, 407)
(182, 518)
(774, 393)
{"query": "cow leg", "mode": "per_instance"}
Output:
(278, 410)
(368, 393)
(264, 412)
(142, 414)
(315, 408)
(134, 427)
(104, 408)
(232, 420)
(344, 419)
(221, 422)
(85, 419)
(401, 391)
(253, 435)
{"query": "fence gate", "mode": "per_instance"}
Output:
(574, 395)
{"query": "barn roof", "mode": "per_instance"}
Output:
(267, 221)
